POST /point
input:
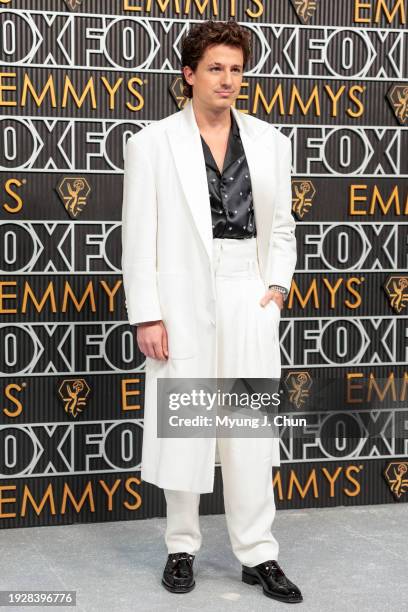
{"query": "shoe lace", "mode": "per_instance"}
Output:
(181, 562)
(273, 567)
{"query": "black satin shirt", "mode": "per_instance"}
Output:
(230, 192)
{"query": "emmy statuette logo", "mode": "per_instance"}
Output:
(396, 288)
(74, 191)
(74, 392)
(397, 96)
(298, 385)
(176, 92)
(305, 9)
(73, 4)
(303, 193)
(396, 476)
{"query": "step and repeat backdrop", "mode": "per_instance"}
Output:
(77, 79)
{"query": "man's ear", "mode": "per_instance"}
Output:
(187, 69)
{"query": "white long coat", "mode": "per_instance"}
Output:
(168, 270)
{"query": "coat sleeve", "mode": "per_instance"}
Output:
(282, 254)
(139, 234)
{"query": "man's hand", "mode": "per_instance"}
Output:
(152, 339)
(272, 294)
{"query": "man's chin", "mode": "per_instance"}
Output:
(224, 100)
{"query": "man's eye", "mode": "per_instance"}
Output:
(217, 68)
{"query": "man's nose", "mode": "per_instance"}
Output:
(226, 78)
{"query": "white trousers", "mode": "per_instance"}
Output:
(247, 346)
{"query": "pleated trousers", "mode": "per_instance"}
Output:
(247, 346)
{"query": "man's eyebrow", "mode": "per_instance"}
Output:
(218, 64)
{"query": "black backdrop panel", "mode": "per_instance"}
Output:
(77, 79)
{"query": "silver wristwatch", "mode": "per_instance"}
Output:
(281, 289)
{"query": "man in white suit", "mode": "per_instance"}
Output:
(209, 251)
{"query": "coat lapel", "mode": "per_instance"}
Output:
(185, 144)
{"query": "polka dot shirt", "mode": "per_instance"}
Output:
(230, 191)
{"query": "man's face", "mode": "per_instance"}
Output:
(219, 70)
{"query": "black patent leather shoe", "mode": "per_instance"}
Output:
(273, 580)
(178, 575)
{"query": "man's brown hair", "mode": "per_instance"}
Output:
(210, 33)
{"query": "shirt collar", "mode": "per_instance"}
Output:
(234, 148)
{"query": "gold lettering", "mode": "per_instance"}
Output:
(48, 495)
(7, 296)
(349, 285)
(49, 293)
(349, 469)
(332, 290)
(358, 8)
(312, 291)
(125, 393)
(136, 93)
(243, 97)
(350, 376)
(89, 292)
(296, 97)
(357, 101)
(135, 494)
(28, 86)
(8, 188)
(332, 479)
(372, 384)
(7, 392)
(201, 6)
(6, 500)
(111, 90)
(356, 198)
(293, 480)
(3, 87)
(277, 481)
(383, 8)
(128, 6)
(255, 14)
(385, 206)
(111, 292)
(376, 201)
(77, 505)
(278, 95)
(69, 87)
(110, 492)
(334, 97)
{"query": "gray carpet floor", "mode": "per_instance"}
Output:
(343, 559)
